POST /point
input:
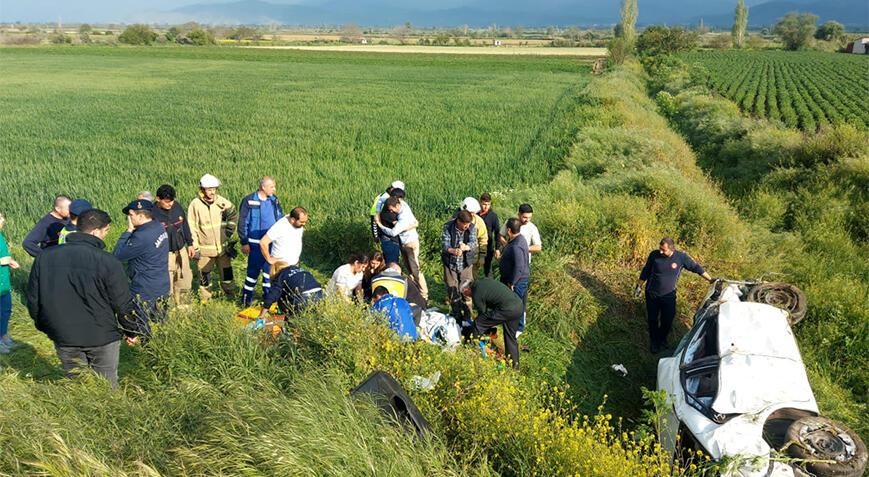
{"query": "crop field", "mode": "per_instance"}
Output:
(333, 128)
(804, 90)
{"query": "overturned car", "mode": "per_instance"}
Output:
(738, 390)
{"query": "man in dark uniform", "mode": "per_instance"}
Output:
(660, 275)
(293, 289)
(144, 246)
(497, 305)
(169, 212)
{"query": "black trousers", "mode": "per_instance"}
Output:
(660, 311)
(509, 322)
(487, 262)
(102, 359)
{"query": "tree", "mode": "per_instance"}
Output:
(627, 27)
(200, 37)
(796, 29)
(351, 33)
(138, 35)
(172, 33)
(660, 40)
(84, 29)
(59, 38)
(740, 23)
(243, 33)
(830, 31)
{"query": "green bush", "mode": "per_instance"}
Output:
(137, 35)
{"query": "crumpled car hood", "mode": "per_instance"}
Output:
(760, 361)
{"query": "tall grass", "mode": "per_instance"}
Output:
(805, 197)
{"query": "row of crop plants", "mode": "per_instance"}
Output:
(804, 90)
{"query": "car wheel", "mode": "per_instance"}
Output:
(829, 448)
(781, 295)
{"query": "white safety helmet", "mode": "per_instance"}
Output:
(398, 185)
(471, 205)
(208, 181)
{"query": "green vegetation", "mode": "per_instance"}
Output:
(740, 24)
(138, 35)
(607, 176)
(806, 199)
(796, 30)
(203, 396)
(806, 90)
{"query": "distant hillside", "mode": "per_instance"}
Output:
(854, 14)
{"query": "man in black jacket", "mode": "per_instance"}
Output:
(497, 305)
(174, 219)
(660, 274)
(76, 294)
(45, 232)
(493, 225)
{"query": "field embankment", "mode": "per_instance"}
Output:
(806, 198)
(585, 52)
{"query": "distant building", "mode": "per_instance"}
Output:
(497, 42)
(858, 47)
(364, 41)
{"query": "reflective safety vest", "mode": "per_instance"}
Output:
(211, 225)
(61, 236)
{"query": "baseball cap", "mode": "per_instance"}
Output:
(138, 204)
(398, 185)
(79, 206)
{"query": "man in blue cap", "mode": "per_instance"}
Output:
(144, 246)
(76, 208)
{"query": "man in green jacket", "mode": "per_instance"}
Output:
(496, 305)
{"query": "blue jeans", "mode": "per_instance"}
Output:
(5, 313)
(521, 289)
(391, 250)
(256, 264)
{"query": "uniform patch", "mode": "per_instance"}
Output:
(673, 265)
(253, 202)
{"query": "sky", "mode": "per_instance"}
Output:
(137, 10)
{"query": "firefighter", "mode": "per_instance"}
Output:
(212, 220)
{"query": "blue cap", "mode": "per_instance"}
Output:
(138, 204)
(79, 206)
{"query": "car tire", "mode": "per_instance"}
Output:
(781, 295)
(829, 448)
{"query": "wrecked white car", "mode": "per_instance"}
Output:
(739, 392)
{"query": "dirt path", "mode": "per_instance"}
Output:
(451, 50)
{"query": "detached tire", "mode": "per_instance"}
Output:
(781, 295)
(830, 448)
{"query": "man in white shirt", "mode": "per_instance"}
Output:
(285, 238)
(526, 229)
(377, 205)
(405, 228)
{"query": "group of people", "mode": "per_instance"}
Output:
(82, 297)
